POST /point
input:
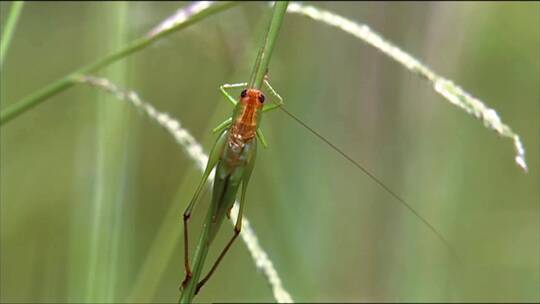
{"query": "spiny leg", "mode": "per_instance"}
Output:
(238, 225)
(212, 162)
(272, 106)
(267, 108)
(205, 279)
(223, 88)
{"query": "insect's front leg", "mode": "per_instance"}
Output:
(276, 105)
(223, 88)
(269, 107)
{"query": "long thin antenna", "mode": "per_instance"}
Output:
(378, 181)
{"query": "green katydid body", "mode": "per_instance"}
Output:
(232, 170)
(236, 147)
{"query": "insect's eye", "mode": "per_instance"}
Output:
(243, 94)
(261, 98)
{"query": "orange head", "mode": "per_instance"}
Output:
(248, 110)
(252, 97)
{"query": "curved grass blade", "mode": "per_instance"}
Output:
(193, 15)
(446, 88)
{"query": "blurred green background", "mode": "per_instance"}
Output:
(92, 192)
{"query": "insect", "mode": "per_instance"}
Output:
(233, 156)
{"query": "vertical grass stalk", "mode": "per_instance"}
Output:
(9, 29)
(110, 178)
(263, 58)
(117, 126)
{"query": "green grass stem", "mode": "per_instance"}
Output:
(9, 29)
(112, 150)
(263, 58)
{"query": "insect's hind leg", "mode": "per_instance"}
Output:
(213, 159)
(221, 255)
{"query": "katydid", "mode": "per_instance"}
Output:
(233, 156)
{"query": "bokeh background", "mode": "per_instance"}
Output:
(92, 191)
